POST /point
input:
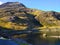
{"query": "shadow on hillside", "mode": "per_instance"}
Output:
(30, 21)
(56, 15)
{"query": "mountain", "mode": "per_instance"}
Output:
(12, 4)
(47, 18)
(16, 16)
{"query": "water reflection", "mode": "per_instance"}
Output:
(50, 37)
(57, 42)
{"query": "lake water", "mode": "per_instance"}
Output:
(7, 42)
(43, 41)
(4, 41)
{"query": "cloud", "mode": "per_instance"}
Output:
(1, 2)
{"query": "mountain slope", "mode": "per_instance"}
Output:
(47, 18)
(14, 15)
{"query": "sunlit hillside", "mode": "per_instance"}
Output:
(17, 16)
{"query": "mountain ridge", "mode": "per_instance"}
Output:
(17, 18)
(10, 4)
(16, 15)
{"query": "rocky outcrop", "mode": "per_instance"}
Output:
(12, 4)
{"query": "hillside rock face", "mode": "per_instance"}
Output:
(49, 18)
(15, 15)
(12, 4)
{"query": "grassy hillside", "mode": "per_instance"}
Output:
(47, 18)
(18, 19)
(27, 18)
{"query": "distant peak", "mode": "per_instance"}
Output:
(12, 4)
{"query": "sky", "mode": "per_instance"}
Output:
(46, 5)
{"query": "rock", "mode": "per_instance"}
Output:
(12, 4)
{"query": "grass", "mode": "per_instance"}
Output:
(11, 25)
